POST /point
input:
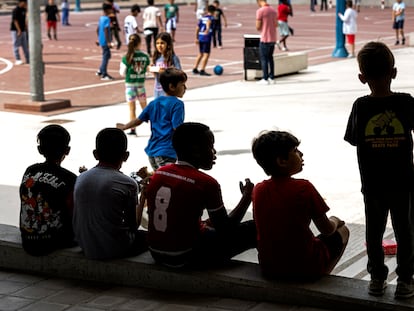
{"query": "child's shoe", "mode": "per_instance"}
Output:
(404, 290)
(377, 287)
(203, 73)
(403, 41)
(397, 42)
(195, 71)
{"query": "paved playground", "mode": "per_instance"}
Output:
(313, 105)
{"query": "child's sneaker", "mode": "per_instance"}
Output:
(132, 132)
(404, 290)
(377, 287)
(107, 78)
(98, 73)
(203, 73)
(195, 71)
(403, 41)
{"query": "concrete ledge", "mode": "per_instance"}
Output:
(238, 280)
(285, 63)
(39, 106)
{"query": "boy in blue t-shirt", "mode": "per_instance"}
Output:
(204, 33)
(165, 113)
(104, 41)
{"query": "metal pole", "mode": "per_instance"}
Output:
(77, 7)
(340, 50)
(35, 51)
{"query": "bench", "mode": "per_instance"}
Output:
(240, 280)
(285, 63)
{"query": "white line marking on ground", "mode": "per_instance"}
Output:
(9, 65)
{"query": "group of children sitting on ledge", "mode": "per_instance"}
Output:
(101, 209)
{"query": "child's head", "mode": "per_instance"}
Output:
(376, 62)
(150, 2)
(276, 152)
(163, 43)
(111, 146)
(53, 142)
(194, 143)
(134, 43)
(216, 3)
(349, 4)
(107, 8)
(173, 81)
(135, 9)
(211, 9)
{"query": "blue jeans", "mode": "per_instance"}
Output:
(401, 207)
(20, 41)
(266, 59)
(157, 162)
(106, 55)
(65, 16)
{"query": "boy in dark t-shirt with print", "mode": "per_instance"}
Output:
(380, 126)
(46, 194)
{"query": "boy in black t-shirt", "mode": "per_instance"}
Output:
(380, 126)
(46, 195)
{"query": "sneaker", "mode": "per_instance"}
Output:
(220, 47)
(263, 82)
(195, 71)
(377, 287)
(18, 62)
(106, 78)
(403, 41)
(284, 49)
(203, 73)
(271, 81)
(278, 45)
(404, 290)
(98, 73)
(132, 132)
(397, 42)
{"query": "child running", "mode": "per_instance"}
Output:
(165, 113)
(133, 67)
(163, 57)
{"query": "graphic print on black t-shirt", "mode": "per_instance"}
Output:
(384, 130)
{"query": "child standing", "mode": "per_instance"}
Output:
(204, 32)
(349, 27)
(283, 11)
(46, 194)
(52, 17)
(218, 15)
(133, 67)
(171, 18)
(130, 23)
(165, 113)
(65, 6)
(283, 208)
(104, 41)
(164, 57)
(179, 193)
(398, 17)
(380, 126)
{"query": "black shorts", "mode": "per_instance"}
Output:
(334, 244)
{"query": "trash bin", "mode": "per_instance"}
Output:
(251, 53)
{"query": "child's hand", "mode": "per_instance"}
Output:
(120, 126)
(339, 222)
(247, 188)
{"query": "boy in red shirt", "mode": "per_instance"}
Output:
(283, 208)
(283, 11)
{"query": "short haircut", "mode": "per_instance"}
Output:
(216, 1)
(269, 146)
(111, 145)
(211, 8)
(349, 3)
(187, 136)
(53, 141)
(150, 2)
(135, 8)
(376, 61)
(107, 6)
(172, 76)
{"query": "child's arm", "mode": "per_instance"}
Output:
(328, 226)
(122, 69)
(130, 124)
(237, 214)
(224, 18)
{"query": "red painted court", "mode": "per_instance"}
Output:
(71, 62)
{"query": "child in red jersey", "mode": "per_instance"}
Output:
(177, 196)
(283, 208)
